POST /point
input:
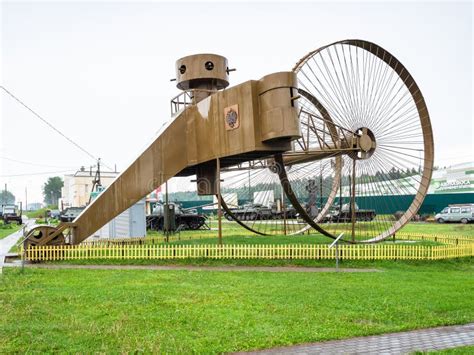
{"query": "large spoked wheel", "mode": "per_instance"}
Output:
(367, 91)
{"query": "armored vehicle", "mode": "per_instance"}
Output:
(185, 219)
(343, 214)
(256, 211)
(70, 213)
(10, 213)
(250, 212)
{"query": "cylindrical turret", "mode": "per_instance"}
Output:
(278, 107)
(206, 72)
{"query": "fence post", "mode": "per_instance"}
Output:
(336, 245)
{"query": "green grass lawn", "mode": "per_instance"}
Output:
(41, 212)
(213, 312)
(234, 234)
(49, 221)
(464, 350)
(460, 229)
(385, 264)
(16, 247)
(7, 229)
(258, 239)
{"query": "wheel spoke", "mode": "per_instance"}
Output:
(364, 88)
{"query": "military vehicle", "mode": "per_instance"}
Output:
(54, 213)
(339, 214)
(11, 213)
(250, 212)
(256, 211)
(70, 213)
(184, 219)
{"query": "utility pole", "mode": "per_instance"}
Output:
(96, 183)
(26, 198)
(98, 173)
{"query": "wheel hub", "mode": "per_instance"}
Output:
(367, 143)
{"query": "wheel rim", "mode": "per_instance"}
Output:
(257, 183)
(321, 176)
(37, 235)
(364, 87)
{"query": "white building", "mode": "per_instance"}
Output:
(128, 224)
(77, 187)
(76, 192)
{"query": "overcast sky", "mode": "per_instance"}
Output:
(99, 71)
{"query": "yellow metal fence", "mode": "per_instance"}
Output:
(148, 240)
(440, 238)
(271, 251)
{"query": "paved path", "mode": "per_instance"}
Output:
(393, 343)
(7, 242)
(194, 268)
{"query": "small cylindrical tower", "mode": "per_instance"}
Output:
(206, 72)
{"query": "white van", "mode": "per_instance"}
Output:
(456, 213)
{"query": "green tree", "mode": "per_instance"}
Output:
(7, 198)
(52, 190)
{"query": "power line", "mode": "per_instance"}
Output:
(49, 124)
(41, 173)
(36, 164)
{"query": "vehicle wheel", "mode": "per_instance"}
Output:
(194, 225)
(159, 225)
(464, 221)
(317, 87)
(440, 220)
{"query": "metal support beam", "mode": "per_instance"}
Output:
(353, 210)
(219, 205)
